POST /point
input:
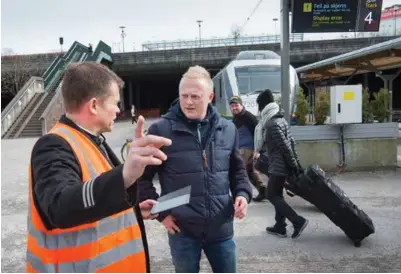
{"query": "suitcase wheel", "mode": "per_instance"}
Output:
(357, 243)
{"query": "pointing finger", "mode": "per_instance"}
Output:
(139, 127)
(149, 161)
(151, 140)
(148, 151)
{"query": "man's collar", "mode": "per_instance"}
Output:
(65, 120)
(87, 131)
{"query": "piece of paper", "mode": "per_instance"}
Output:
(174, 199)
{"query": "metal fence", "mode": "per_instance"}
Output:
(217, 42)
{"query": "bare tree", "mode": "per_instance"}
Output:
(235, 32)
(16, 71)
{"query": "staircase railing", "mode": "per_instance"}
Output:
(19, 102)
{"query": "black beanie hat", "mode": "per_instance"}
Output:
(235, 100)
(265, 98)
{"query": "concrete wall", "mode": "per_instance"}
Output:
(371, 153)
(326, 153)
(360, 154)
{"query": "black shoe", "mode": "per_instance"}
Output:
(298, 229)
(262, 194)
(281, 232)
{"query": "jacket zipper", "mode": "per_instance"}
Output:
(204, 157)
(206, 166)
(205, 163)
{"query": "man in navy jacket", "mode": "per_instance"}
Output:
(246, 123)
(204, 154)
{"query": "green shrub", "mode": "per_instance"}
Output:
(302, 107)
(380, 106)
(322, 108)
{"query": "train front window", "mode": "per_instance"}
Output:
(254, 78)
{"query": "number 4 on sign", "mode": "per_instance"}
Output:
(369, 18)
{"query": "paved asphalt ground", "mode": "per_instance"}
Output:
(322, 248)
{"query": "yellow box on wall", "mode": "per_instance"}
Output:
(349, 95)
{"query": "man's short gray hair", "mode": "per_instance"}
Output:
(198, 73)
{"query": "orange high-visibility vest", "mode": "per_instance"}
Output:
(113, 244)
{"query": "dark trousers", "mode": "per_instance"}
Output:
(275, 188)
(134, 119)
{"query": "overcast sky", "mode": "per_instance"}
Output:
(34, 26)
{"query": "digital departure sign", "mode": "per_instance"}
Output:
(310, 16)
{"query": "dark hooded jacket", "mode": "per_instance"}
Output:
(205, 155)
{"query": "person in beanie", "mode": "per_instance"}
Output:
(273, 137)
(246, 123)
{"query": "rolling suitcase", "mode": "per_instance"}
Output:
(316, 188)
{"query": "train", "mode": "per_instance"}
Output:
(249, 73)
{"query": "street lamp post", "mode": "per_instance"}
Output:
(275, 28)
(395, 20)
(285, 58)
(200, 37)
(61, 41)
(123, 35)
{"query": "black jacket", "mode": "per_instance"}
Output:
(280, 147)
(247, 119)
(57, 185)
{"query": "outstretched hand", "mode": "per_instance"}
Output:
(143, 151)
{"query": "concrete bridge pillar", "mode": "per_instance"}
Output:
(122, 101)
(138, 95)
(130, 94)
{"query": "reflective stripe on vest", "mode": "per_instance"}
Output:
(113, 244)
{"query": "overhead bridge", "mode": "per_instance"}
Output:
(213, 58)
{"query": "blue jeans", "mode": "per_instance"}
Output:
(186, 254)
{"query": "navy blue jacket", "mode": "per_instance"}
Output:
(205, 155)
(245, 123)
